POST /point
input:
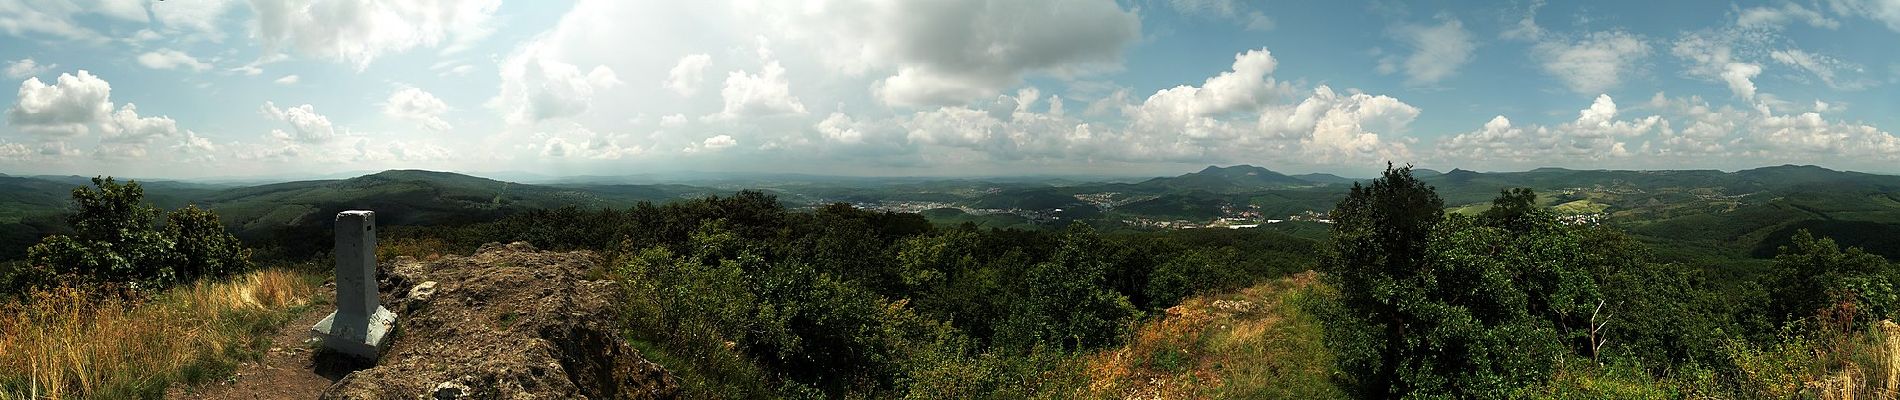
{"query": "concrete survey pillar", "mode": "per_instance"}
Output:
(360, 326)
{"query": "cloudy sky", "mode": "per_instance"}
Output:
(218, 88)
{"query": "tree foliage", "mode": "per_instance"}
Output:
(203, 247)
(1065, 301)
(1814, 274)
(1378, 245)
(116, 240)
(756, 300)
(1440, 306)
(1514, 209)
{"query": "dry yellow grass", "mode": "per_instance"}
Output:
(1253, 343)
(63, 343)
(1870, 366)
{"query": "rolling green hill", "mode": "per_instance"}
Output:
(952, 216)
(1689, 213)
(34, 207)
(1706, 213)
(1234, 179)
(1191, 205)
(1328, 179)
(1030, 199)
(29, 209)
(296, 214)
(1199, 195)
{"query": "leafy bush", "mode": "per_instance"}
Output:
(1814, 274)
(1438, 306)
(1191, 273)
(17, 278)
(1065, 302)
(742, 298)
(204, 248)
(741, 321)
(115, 241)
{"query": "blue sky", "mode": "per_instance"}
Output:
(942, 87)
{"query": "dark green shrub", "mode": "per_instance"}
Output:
(1451, 307)
(1065, 301)
(1814, 274)
(204, 248)
(115, 241)
(1193, 272)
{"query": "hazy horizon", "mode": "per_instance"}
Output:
(236, 90)
(716, 176)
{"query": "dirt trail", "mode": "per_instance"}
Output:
(287, 370)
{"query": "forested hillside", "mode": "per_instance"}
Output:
(1401, 293)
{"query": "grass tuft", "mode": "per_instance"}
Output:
(1257, 342)
(67, 343)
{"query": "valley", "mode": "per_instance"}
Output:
(1726, 215)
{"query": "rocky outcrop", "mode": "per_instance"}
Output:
(508, 322)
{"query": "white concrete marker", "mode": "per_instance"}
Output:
(360, 325)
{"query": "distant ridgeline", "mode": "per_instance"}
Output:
(294, 215)
(1685, 213)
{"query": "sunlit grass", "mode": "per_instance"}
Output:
(1257, 342)
(1585, 206)
(67, 343)
(1856, 364)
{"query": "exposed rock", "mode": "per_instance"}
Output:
(419, 296)
(450, 390)
(507, 322)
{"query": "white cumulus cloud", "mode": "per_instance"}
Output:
(763, 94)
(1740, 78)
(65, 108)
(414, 104)
(536, 86)
(1245, 87)
(840, 128)
(711, 144)
(359, 31)
(126, 126)
(948, 52)
(1241, 114)
(686, 76)
(1596, 135)
(305, 124)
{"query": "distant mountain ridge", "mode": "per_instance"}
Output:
(1755, 205)
(298, 212)
(415, 197)
(1325, 178)
(1238, 178)
(1464, 186)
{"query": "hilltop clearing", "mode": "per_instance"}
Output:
(507, 322)
(1255, 342)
